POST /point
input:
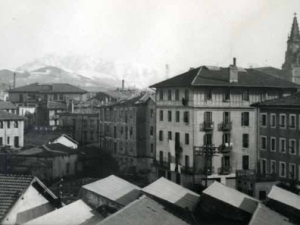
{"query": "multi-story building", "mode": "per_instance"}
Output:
(127, 129)
(211, 106)
(11, 130)
(279, 137)
(8, 107)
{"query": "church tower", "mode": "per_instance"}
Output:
(291, 66)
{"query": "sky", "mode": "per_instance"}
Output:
(180, 33)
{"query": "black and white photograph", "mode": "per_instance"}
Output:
(149, 112)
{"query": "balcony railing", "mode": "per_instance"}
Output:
(226, 148)
(224, 170)
(208, 125)
(226, 126)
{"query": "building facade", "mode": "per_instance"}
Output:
(127, 129)
(211, 106)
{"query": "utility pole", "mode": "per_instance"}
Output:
(207, 152)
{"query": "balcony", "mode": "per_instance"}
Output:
(224, 170)
(226, 148)
(208, 126)
(226, 126)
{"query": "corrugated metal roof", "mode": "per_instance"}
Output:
(173, 193)
(231, 196)
(143, 211)
(115, 189)
(285, 197)
(75, 213)
(265, 216)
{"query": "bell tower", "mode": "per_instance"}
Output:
(292, 55)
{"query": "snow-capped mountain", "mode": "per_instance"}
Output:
(91, 71)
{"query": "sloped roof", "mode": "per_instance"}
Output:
(290, 101)
(9, 116)
(115, 189)
(205, 76)
(40, 137)
(50, 150)
(48, 88)
(7, 105)
(76, 213)
(273, 71)
(231, 196)
(265, 216)
(11, 188)
(285, 197)
(143, 211)
(172, 193)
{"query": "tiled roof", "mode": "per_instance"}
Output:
(48, 88)
(115, 189)
(50, 150)
(285, 197)
(11, 188)
(56, 105)
(9, 116)
(76, 213)
(290, 101)
(134, 100)
(231, 196)
(272, 71)
(172, 193)
(40, 137)
(143, 211)
(7, 105)
(265, 216)
(208, 76)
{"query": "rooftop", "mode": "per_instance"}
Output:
(50, 150)
(172, 193)
(115, 189)
(48, 88)
(9, 116)
(143, 211)
(231, 196)
(76, 213)
(40, 137)
(218, 76)
(7, 105)
(11, 188)
(290, 101)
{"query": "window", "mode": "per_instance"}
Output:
(151, 147)
(208, 94)
(170, 116)
(170, 135)
(186, 94)
(8, 124)
(7, 142)
(245, 140)
(151, 113)
(169, 95)
(177, 116)
(226, 139)
(292, 121)
(282, 145)
(151, 131)
(16, 124)
(245, 160)
(1, 124)
(273, 120)
(245, 119)
(1, 141)
(208, 117)
(186, 117)
(273, 144)
(161, 135)
(245, 96)
(263, 120)
(187, 161)
(273, 167)
(115, 147)
(292, 171)
(263, 166)
(161, 156)
(226, 117)
(207, 139)
(226, 95)
(161, 115)
(282, 121)
(187, 139)
(161, 95)
(282, 169)
(263, 143)
(177, 95)
(292, 146)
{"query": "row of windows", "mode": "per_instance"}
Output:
(284, 172)
(16, 141)
(8, 124)
(177, 137)
(170, 95)
(169, 160)
(245, 120)
(126, 146)
(282, 122)
(186, 116)
(282, 144)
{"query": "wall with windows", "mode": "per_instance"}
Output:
(12, 133)
(279, 142)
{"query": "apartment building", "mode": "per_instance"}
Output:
(279, 132)
(211, 106)
(127, 129)
(11, 130)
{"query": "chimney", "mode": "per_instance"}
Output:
(233, 72)
(123, 84)
(167, 71)
(14, 80)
